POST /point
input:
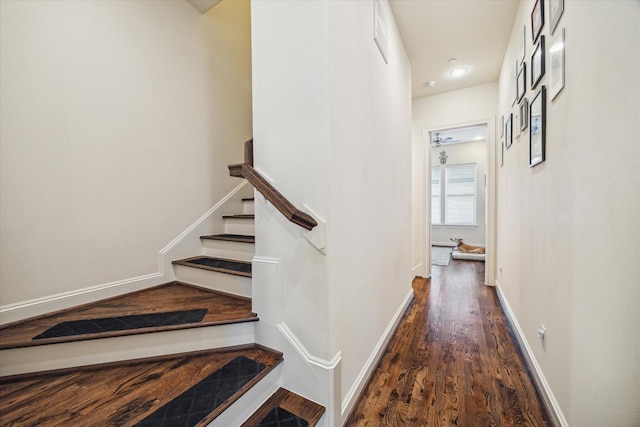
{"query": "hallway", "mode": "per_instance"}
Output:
(452, 361)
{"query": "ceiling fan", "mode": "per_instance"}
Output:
(437, 141)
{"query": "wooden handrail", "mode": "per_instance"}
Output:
(245, 170)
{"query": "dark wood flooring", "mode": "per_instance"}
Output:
(116, 394)
(452, 361)
(222, 308)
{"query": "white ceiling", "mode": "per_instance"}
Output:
(475, 32)
(203, 5)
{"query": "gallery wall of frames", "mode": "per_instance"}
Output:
(542, 51)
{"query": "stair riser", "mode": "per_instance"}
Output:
(229, 283)
(239, 226)
(79, 353)
(242, 409)
(230, 250)
(248, 207)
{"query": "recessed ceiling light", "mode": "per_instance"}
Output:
(478, 138)
(430, 83)
(460, 71)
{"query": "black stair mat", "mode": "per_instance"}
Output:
(122, 323)
(196, 403)
(225, 264)
(279, 417)
(231, 237)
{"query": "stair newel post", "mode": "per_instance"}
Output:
(248, 152)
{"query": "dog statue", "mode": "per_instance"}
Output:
(470, 249)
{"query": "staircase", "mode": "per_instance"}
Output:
(181, 353)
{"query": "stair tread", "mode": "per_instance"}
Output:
(240, 216)
(248, 199)
(131, 392)
(294, 405)
(223, 265)
(221, 308)
(244, 238)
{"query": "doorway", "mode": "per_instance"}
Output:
(459, 171)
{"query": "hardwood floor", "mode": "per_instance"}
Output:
(452, 361)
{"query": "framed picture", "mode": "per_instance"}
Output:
(524, 114)
(556, 61)
(380, 29)
(522, 81)
(537, 131)
(556, 9)
(515, 84)
(508, 134)
(537, 20)
(537, 63)
(523, 49)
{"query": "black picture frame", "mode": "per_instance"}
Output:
(522, 81)
(556, 65)
(537, 20)
(508, 131)
(537, 63)
(537, 128)
(524, 114)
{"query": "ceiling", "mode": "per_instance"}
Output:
(203, 5)
(475, 32)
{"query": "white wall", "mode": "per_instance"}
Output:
(466, 153)
(118, 121)
(369, 184)
(564, 226)
(476, 104)
(332, 128)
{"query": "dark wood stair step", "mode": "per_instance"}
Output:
(222, 265)
(248, 199)
(242, 238)
(293, 405)
(221, 308)
(132, 392)
(239, 216)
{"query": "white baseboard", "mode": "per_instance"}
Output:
(35, 307)
(419, 270)
(553, 408)
(365, 373)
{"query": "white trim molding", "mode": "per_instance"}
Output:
(306, 355)
(38, 306)
(552, 405)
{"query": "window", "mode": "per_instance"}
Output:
(458, 206)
